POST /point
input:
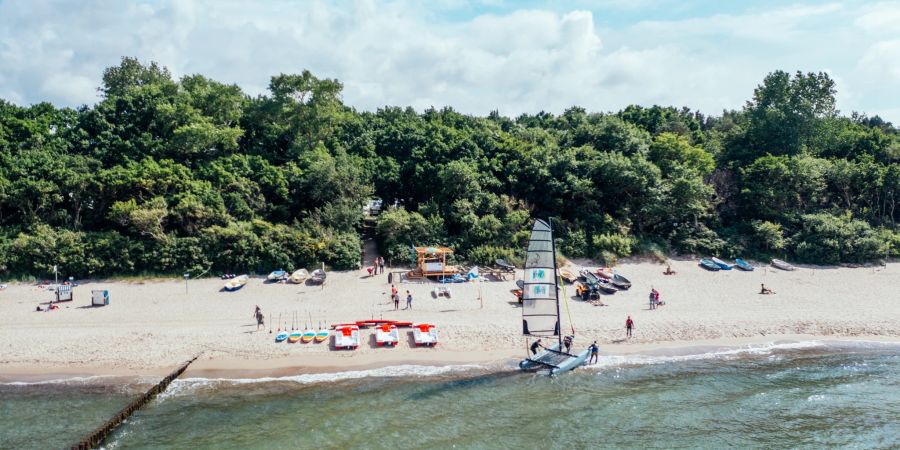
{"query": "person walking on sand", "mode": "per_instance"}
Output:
(629, 324)
(408, 300)
(595, 353)
(260, 319)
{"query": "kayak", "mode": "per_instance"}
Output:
(281, 336)
(722, 264)
(295, 336)
(709, 265)
(743, 265)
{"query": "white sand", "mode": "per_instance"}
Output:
(150, 327)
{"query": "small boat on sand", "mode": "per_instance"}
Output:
(722, 264)
(709, 265)
(282, 336)
(387, 335)
(606, 286)
(308, 335)
(567, 276)
(317, 277)
(425, 334)
(604, 272)
(505, 266)
(322, 334)
(743, 265)
(299, 276)
(236, 283)
(346, 337)
(620, 282)
(295, 336)
(783, 265)
(276, 275)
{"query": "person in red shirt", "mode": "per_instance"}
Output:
(629, 324)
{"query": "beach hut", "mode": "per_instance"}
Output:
(431, 262)
(99, 297)
(64, 293)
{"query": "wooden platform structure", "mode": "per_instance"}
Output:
(431, 262)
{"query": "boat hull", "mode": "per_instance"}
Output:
(743, 265)
(709, 265)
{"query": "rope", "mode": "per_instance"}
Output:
(566, 302)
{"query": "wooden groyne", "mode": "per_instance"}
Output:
(97, 437)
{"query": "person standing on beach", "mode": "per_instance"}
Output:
(396, 298)
(652, 299)
(595, 355)
(629, 324)
(408, 300)
(260, 319)
(381, 263)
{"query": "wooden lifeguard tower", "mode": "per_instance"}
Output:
(431, 262)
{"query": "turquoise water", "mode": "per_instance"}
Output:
(812, 396)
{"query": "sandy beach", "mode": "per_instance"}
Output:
(151, 326)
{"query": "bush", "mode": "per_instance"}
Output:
(613, 245)
(486, 255)
(827, 239)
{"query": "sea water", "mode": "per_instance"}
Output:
(807, 395)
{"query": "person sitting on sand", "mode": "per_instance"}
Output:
(535, 346)
(764, 290)
(669, 270)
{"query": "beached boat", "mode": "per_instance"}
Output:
(236, 283)
(606, 286)
(783, 265)
(708, 264)
(308, 335)
(294, 336)
(322, 334)
(722, 264)
(743, 265)
(505, 266)
(299, 276)
(317, 277)
(346, 337)
(425, 334)
(540, 304)
(282, 336)
(620, 282)
(604, 272)
(567, 276)
(276, 275)
(387, 335)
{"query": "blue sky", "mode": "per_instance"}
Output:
(476, 56)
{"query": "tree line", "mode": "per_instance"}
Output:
(167, 175)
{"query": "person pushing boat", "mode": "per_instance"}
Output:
(535, 346)
(567, 342)
(595, 353)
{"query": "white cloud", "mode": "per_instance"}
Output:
(407, 53)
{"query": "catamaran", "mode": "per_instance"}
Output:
(540, 304)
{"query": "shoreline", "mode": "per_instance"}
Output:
(495, 361)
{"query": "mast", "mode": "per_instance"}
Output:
(555, 283)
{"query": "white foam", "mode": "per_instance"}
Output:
(607, 361)
(71, 380)
(184, 385)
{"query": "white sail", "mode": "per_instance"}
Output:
(540, 303)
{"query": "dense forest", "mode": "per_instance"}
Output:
(166, 175)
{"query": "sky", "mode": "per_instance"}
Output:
(515, 57)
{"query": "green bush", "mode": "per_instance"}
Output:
(827, 239)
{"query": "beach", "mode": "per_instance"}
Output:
(151, 326)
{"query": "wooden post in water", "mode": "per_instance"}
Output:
(97, 437)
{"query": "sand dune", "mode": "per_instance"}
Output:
(151, 326)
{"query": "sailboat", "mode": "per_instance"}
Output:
(540, 304)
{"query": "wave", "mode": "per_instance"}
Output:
(766, 349)
(70, 380)
(182, 386)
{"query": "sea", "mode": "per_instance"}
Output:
(817, 394)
